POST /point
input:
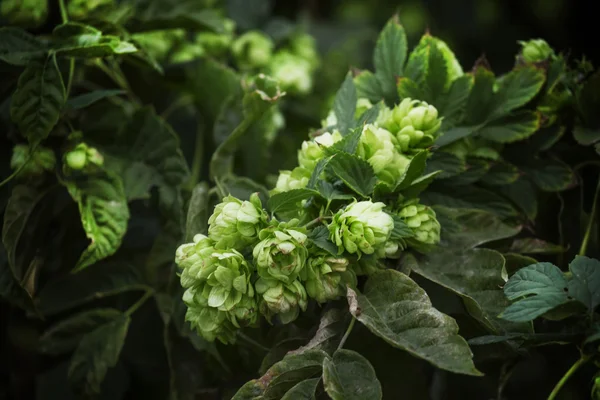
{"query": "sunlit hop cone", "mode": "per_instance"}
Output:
(281, 253)
(323, 276)
(293, 73)
(83, 156)
(377, 146)
(31, 164)
(253, 49)
(235, 224)
(414, 123)
(361, 227)
(312, 150)
(536, 50)
(283, 300)
(422, 220)
(294, 179)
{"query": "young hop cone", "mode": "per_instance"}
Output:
(235, 224)
(281, 252)
(283, 300)
(253, 49)
(414, 123)
(422, 220)
(294, 179)
(32, 164)
(293, 73)
(83, 156)
(536, 50)
(361, 228)
(312, 152)
(325, 276)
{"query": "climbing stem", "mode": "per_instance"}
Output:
(582, 360)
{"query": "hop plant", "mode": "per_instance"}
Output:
(362, 228)
(362, 105)
(32, 163)
(83, 156)
(293, 73)
(536, 50)
(281, 252)
(422, 220)
(214, 43)
(312, 150)
(414, 123)
(235, 224)
(323, 276)
(305, 47)
(253, 49)
(283, 300)
(294, 179)
(377, 146)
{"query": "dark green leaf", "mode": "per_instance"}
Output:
(550, 175)
(66, 335)
(468, 196)
(367, 86)
(517, 88)
(454, 134)
(18, 47)
(185, 14)
(451, 105)
(85, 100)
(584, 286)
(447, 163)
(329, 192)
(401, 230)
(316, 174)
(348, 144)
(38, 100)
(319, 236)
(511, 128)
(523, 194)
(355, 172)
(350, 376)
(480, 103)
(198, 211)
(329, 333)
(396, 309)
(289, 201)
(476, 168)
(501, 173)
(389, 57)
(96, 353)
(278, 351)
(414, 170)
(304, 390)
(419, 185)
(344, 105)
(104, 214)
(535, 246)
(242, 188)
(538, 288)
(79, 40)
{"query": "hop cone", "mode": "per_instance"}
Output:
(324, 276)
(312, 150)
(283, 300)
(294, 179)
(294, 73)
(422, 220)
(253, 49)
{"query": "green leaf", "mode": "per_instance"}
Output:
(86, 100)
(429, 69)
(539, 288)
(344, 105)
(511, 128)
(198, 212)
(396, 309)
(501, 173)
(367, 86)
(451, 105)
(517, 88)
(304, 390)
(329, 192)
(535, 246)
(319, 236)
(101, 280)
(414, 170)
(476, 168)
(549, 175)
(66, 335)
(283, 376)
(350, 376)
(74, 39)
(289, 201)
(401, 230)
(184, 14)
(389, 57)
(419, 185)
(96, 353)
(480, 103)
(316, 174)
(348, 144)
(454, 134)
(278, 351)
(476, 275)
(355, 172)
(329, 333)
(584, 286)
(257, 100)
(18, 47)
(369, 116)
(408, 88)
(587, 101)
(38, 100)
(468, 196)
(242, 188)
(447, 163)
(104, 214)
(523, 194)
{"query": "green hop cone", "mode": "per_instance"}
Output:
(283, 300)
(158, 44)
(281, 252)
(377, 146)
(217, 44)
(32, 164)
(253, 49)
(293, 73)
(294, 179)
(83, 157)
(312, 150)
(187, 52)
(305, 47)
(361, 228)
(325, 276)
(422, 220)
(414, 123)
(210, 323)
(235, 224)
(536, 50)
(367, 265)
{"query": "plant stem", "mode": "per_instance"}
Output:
(316, 221)
(139, 303)
(590, 225)
(63, 11)
(71, 73)
(345, 337)
(582, 360)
